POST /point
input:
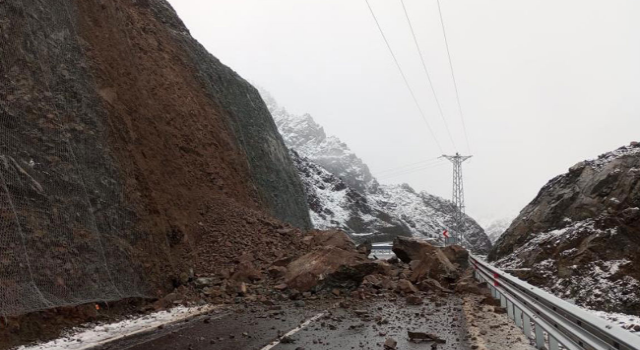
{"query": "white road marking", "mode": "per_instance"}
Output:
(275, 343)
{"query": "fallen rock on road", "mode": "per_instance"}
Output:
(330, 267)
(418, 337)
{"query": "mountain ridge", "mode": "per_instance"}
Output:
(342, 192)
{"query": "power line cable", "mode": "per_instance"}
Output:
(455, 84)
(391, 170)
(409, 164)
(413, 96)
(433, 166)
(407, 170)
(426, 71)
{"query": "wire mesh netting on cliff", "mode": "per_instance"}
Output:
(66, 236)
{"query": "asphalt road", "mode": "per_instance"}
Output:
(362, 325)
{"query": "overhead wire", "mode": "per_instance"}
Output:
(426, 71)
(413, 96)
(431, 166)
(411, 165)
(418, 162)
(407, 171)
(453, 77)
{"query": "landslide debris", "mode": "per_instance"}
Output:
(580, 237)
(327, 264)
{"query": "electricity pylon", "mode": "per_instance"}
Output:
(458, 194)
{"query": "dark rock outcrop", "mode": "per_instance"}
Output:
(580, 236)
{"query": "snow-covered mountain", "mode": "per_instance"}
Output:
(302, 134)
(496, 228)
(333, 203)
(427, 215)
(342, 192)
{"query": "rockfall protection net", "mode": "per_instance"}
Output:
(66, 236)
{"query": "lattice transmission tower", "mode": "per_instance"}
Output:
(458, 195)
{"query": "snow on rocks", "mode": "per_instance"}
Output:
(557, 262)
(632, 150)
(427, 216)
(628, 322)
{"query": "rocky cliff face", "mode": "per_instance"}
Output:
(580, 237)
(343, 193)
(308, 138)
(124, 146)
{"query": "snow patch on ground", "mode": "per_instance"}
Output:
(628, 322)
(92, 335)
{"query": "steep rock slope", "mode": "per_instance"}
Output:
(342, 192)
(307, 137)
(333, 204)
(428, 215)
(580, 237)
(124, 146)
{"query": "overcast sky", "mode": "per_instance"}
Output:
(543, 84)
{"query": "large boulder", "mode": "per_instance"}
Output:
(457, 255)
(429, 262)
(330, 238)
(434, 266)
(330, 267)
(408, 249)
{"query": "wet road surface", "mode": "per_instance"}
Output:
(351, 325)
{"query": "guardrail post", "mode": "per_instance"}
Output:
(527, 325)
(518, 316)
(510, 310)
(553, 343)
(503, 300)
(539, 337)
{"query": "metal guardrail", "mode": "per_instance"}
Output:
(550, 321)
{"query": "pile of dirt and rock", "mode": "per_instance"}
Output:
(580, 237)
(327, 264)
